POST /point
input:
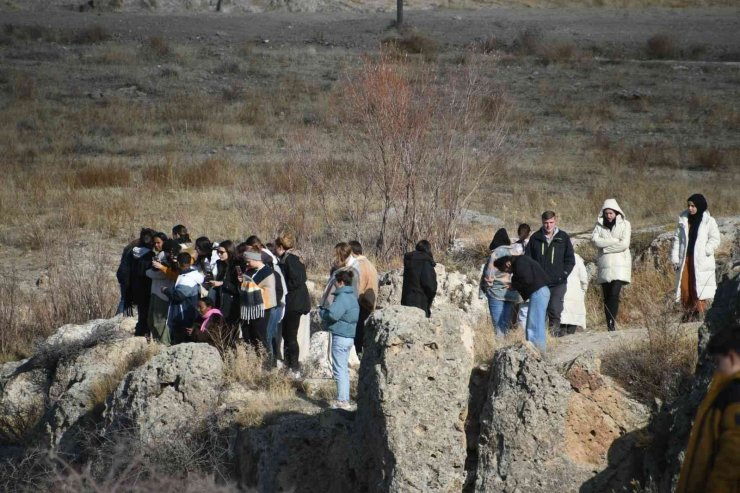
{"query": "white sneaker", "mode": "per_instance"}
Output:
(279, 364)
(295, 374)
(344, 405)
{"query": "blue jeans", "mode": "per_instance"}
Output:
(536, 317)
(523, 310)
(272, 330)
(340, 349)
(501, 312)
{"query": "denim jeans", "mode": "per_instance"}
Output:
(340, 349)
(501, 312)
(523, 310)
(272, 330)
(536, 317)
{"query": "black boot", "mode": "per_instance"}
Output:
(610, 324)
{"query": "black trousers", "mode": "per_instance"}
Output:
(555, 308)
(254, 332)
(360, 330)
(142, 322)
(291, 323)
(611, 292)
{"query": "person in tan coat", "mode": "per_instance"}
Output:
(367, 291)
(712, 460)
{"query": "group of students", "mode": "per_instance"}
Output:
(542, 278)
(209, 292)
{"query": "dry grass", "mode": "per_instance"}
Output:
(101, 389)
(485, 344)
(661, 46)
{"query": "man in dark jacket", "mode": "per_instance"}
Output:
(552, 249)
(531, 281)
(419, 278)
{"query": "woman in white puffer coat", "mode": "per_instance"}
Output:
(694, 243)
(611, 236)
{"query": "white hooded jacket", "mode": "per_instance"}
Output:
(614, 260)
(707, 240)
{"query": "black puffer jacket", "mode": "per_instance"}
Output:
(297, 299)
(557, 258)
(419, 281)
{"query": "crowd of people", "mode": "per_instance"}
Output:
(217, 293)
(539, 278)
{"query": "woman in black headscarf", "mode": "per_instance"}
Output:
(694, 243)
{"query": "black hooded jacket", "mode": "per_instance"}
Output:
(527, 276)
(419, 281)
(557, 258)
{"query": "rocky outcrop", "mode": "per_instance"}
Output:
(22, 400)
(548, 428)
(454, 291)
(413, 400)
(81, 384)
(173, 392)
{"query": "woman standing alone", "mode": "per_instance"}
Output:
(611, 237)
(694, 243)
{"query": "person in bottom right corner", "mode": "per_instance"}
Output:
(712, 460)
(696, 239)
(341, 319)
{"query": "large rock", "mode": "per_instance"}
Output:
(172, 393)
(547, 427)
(454, 290)
(82, 383)
(413, 395)
(22, 400)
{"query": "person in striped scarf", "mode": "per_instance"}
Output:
(256, 298)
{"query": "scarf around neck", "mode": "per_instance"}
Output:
(207, 317)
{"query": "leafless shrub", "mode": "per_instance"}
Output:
(661, 46)
(528, 41)
(253, 368)
(414, 43)
(91, 35)
(710, 158)
(156, 47)
(100, 176)
(24, 87)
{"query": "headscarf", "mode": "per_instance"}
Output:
(500, 238)
(695, 220)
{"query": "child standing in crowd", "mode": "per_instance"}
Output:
(341, 319)
(183, 298)
(210, 327)
(497, 285)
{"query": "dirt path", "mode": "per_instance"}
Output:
(713, 28)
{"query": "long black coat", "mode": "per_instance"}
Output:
(419, 281)
(297, 299)
(228, 293)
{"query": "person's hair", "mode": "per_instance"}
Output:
(184, 258)
(500, 263)
(356, 247)
(162, 236)
(285, 240)
(270, 246)
(344, 276)
(548, 215)
(171, 247)
(230, 248)
(207, 301)
(424, 246)
(182, 233)
(724, 341)
(203, 244)
(524, 226)
(146, 235)
(255, 243)
(342, 251)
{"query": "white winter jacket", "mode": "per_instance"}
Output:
(574, 302)
(614, 260)
(707, 240)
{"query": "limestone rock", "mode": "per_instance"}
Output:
(82, 383)
(413, 394)
(22, 400)
(173, 392)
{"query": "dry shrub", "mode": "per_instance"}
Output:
(485, 342)
(528, 41)
(253, 368)
(156, 47)
(710, 158)
(102, 176)
(414, 43)
(660, 367)
(91, 35)
(24, 87)
(213, 172)
(661, 46)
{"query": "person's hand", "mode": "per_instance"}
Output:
(216, 284)
(157, 265)
(189, 330)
